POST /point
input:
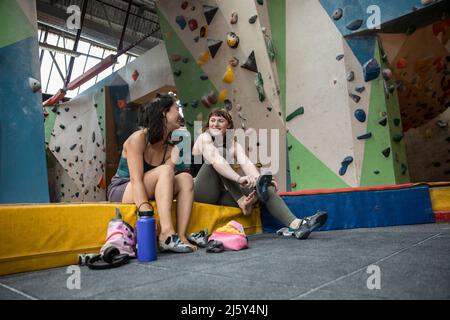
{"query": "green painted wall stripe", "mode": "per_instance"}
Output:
(374, 160)
(313, 173)
(189, 85)
(14, 24)
(277, 17)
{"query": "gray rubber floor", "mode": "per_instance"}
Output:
(413, 262)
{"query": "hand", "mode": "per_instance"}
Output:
(247, 182)
(275, 184)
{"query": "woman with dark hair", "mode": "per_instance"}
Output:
(147, 171)
(218, 183)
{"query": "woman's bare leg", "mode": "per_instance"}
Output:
(159, 186)
(184, 193)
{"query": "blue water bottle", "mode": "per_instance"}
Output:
(146, 236)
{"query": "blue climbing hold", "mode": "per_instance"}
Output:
(360, 115)
(345, 163)
(371, 70)
(181, 21)
(355, 24)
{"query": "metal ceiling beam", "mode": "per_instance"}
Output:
(125, 26)
(75, 45)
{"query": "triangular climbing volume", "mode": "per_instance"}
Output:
(250, 64)
(209, 12)
(214, 46)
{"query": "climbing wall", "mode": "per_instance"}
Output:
(420, 61)
(221, 56)
(77, 143)
(340, 92)
(23, 174)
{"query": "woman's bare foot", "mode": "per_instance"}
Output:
(186, 242)
(246, 203)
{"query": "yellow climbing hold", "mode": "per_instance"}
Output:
(222, 95)
(229, 75)
(204, 58)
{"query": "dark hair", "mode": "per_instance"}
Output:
(152, 117)
(220, 113)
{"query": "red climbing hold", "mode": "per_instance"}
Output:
(121, 104)
(135, 75)
(193, 25)
(101, 183)
(402, 63)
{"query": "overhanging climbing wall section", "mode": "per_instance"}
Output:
(221, 56)
(23, 174)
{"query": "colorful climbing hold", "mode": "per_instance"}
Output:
(360, 89)
(232, 40)
(351, 76)
(387, 74)
(344, 165)
(203, 32)
(228, 105)
(360, 115)
(337, 14)
(222, 95)
(270, 47)
(181, 21)
(234, 62)
(259, 82)
(135, 75)
(209, 12)
(214, 46)
(204, 58)
(121, 104)
(229, 75)
(402, 63)
(365, 136)
(354, 97)
(193, 25)
(250, 63)
(293, 185)
(299, 111)
(371, 70)
(397, 137)
(35, 85)
(234, 17)
(355, 24)
(252, 19)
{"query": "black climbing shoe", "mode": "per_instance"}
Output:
(262, 184)
(311, 223)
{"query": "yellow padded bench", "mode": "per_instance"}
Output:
(42, 236)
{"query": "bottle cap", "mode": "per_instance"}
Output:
(148, 213)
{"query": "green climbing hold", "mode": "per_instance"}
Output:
(270, 48)
(376, 172)
(403, 168)
(296, 113)
(396, 122)
(260, 2)
(259, 82)
(177, 73)
(397, 137)
(62, 126)
(383, 121)
(269, 108)
(386, 152)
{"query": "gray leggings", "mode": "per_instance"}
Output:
(210, 187)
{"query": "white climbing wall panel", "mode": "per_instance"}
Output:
(318, 82)
(78, 145)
